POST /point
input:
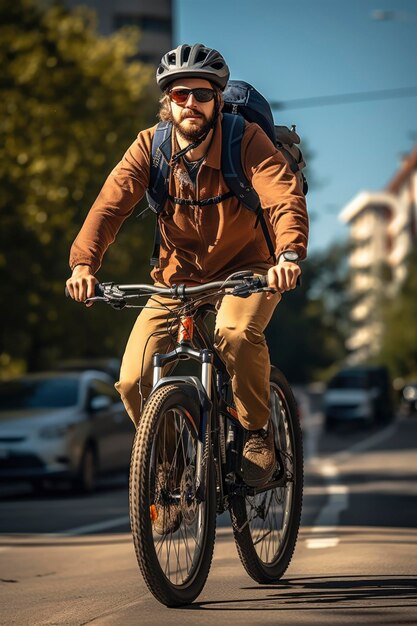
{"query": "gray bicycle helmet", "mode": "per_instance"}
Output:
(195, 61)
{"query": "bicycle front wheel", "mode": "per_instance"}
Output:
(173, 530)
(265, 526)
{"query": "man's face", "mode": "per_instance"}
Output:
(192, 118)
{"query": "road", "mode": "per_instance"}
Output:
(68, 560)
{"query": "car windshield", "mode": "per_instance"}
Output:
(351, 380)
(38, 394)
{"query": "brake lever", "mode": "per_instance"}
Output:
(114, 297)
(109, 293)
(241, 291)
(252, 285)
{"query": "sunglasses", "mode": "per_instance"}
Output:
(201, 94)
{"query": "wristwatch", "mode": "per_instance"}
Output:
(289, 255)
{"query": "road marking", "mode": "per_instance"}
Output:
(322, 542)
(336, 504)
(361, 446)
(91, 528)
(327, 521)
(328, 518)
(311, 429)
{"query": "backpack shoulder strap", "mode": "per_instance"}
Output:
(233, 129)
(157, 191)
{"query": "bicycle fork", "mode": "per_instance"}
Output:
(203, 387)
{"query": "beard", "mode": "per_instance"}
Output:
(197, 128)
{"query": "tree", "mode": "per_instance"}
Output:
(399, 342)
(72, 102)
(307, 334)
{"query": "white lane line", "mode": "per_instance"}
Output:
(336, 504)
(327, 521)
(318, 543)
(91, 528)
(365, 444)
(311, 431)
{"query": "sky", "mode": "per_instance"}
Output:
(309, 48)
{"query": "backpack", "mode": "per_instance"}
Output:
(241, 102)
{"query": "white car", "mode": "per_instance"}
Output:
(56, 425)
(358, 394)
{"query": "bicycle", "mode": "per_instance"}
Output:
(187, 452)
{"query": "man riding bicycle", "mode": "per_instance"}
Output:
(200, 243)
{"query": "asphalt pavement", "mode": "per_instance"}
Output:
(70, 560)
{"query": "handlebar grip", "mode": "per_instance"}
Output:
(264, 280)
(98, 290)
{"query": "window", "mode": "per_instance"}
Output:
(101, 388)
(48, 393)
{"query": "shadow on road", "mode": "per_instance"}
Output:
(324, 593)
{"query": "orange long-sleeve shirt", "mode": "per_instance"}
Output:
(205, 243)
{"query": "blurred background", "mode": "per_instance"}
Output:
(77, 82)
(77, 85)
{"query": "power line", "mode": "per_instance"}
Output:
(345, 98)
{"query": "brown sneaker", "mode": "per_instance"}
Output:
(165, 514)
(259, 460)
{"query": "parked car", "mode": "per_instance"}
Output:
(59, 425)
(358, 394)
(409, 399)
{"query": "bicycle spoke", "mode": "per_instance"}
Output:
(178, 547)
(267, 513)
(187, 550)
(159, 545)
(176, 554)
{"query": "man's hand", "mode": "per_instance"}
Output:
(81, 284)
(283, 277)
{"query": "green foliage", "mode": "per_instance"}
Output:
(71, 103)
(307, 333)
(399, 345)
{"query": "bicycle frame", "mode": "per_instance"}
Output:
(211, 422)
(215, 412)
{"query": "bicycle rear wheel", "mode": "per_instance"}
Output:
(265, 526)
(173, 531)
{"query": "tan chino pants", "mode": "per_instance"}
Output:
(239, 340)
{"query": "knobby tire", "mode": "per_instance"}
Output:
(169, 398)
(271, 567)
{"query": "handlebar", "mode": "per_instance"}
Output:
(242, 285)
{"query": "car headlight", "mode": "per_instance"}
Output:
(56, 431)
(410, 393)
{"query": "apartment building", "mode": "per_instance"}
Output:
(383, 230)
(154, 19)
(403, 228)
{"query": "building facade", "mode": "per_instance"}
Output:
(154, 19)
(383, 231)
